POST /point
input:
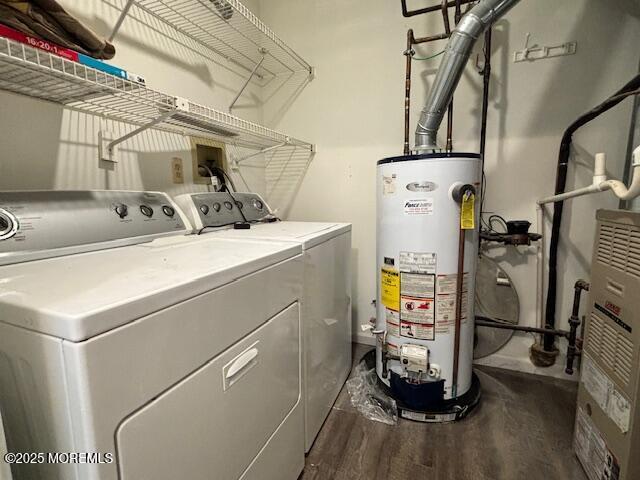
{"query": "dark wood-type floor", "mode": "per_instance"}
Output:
(522, 430)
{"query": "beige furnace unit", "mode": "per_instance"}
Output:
(607, 433)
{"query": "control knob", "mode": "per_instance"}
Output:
(8, 224)
(122, 210)
(146, 210)
(168, 211)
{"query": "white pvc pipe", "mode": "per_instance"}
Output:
(540, 268)
(620, 189)
(601, 184)
(575, 193)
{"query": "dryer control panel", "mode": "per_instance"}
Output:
(221, 209)
(41, 224)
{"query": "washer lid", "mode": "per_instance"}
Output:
(79, 296)
(307, 233)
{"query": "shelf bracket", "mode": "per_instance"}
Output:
(107, 146)
(264, 52)
(236, 161)
(121, 18)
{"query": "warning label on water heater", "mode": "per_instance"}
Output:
(446, 286)
(417, 294)
(390, 288)
(423, 206)
(417, 310)
(393, 322)
(417, 262)
(417, 330)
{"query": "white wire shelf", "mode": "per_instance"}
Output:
(229, 29)
(36, 73)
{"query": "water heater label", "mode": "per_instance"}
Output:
(390, 288)
(417, 310)
(417, 330)
(393, 322)
(418, 284)
(389, 184)
(423, 206)
(446, 286)
(416, 262)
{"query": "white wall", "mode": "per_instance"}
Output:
(354, 111)
(47, 147)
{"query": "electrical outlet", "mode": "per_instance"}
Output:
(209, 154)
(177, 170)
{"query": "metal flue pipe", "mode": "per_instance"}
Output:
(471, 26)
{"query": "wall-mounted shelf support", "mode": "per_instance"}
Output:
(264, 52)
(236, 161)
(108, 146)
(123, 15)
(226, 28)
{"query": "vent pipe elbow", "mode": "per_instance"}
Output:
(457, 52)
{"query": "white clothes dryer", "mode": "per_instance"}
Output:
(174, 358)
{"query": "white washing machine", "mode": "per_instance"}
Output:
(5, 469)
(174, 358)
(326, 300)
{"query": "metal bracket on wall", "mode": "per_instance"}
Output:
(537, 52)
(264, 53)
(107, 146)
(235, 163)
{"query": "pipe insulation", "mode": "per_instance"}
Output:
(457, 53)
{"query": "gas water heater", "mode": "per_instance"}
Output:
(427, 245)
(427, 223)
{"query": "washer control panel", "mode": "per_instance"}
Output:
(221, 209)
(40, 224)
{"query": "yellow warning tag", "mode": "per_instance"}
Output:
(390, 289)
(467, 213)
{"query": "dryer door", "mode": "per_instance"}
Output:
(213, 423)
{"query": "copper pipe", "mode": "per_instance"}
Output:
(449, 145)
(420, 11)
(407, 93)
(432, 38)
(458, 11)
(486, 82)
(445, 17)
(458, 322)
(486, 79)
